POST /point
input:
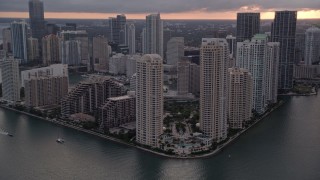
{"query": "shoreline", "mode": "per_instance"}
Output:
(116, 140)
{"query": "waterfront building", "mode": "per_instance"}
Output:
(312, 46)
(10, 79)
(79, 37)
(19, 40)
(131, 37)
(117, 29)
(54, 70)
(214, 54)
(175, 50)
(33, 49)
(154, 35)
(240, 97)
(45, 90)
(305, 71)
(248, 24)
(36, 16)
(149, 99)
(7, 40)
(89, 95)
(283, 30)
(50, 50)
(101, 51)
(70, 52)
(117, 111)
(261, 58)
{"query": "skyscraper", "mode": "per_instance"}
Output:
(36, 15)
(283, 30)
(175, 50)
(10, 79)
(19, 40)
(131, 37)
(50, 49)
(214, 54)
(7, 40)
(33, 49)
(240, 97)
(248, 24)
(261, 59)
(154, 35)
(149, 99)
(117, 28)
(183, 71)
(82, 36)
(70, 52)
(312, 46)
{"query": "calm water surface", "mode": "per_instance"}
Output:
(286, 145)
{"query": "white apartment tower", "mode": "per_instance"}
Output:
(240, 97)
(149, 99)
(312, 46)
(131, 37)
(10, 80)
(154, 35)
(261, 59)
(214, 56)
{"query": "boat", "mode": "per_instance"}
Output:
(10, 135)
(60, 140)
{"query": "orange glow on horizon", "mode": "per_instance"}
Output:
(306, 14)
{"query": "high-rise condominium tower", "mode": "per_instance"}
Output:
(36, 15)
(312, 46)
(240, 97)
(283, 30)
(154, 35)
(10, 79)
(214, 54)
(261, 59)
(131, 37)
(149, 99)
(117, 28)
(50, 49)
(248, 24)
(19, 40)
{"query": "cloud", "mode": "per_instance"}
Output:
(165, 6)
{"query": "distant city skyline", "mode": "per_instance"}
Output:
(176, 9)
(192, 15)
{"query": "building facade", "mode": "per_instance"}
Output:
(101, 53)
(117, 111)
(36, 15)
(175, 50)
(312, 46)
(214, 54)
(149, 99)
(45, 90)
(19, 40)
(10, 79)
(283, 30)
(248, 24)
(33, 50)
(154, 35)
(240, 97)
(88, 96)
(117, 28)
(50, 50)
(131, 37)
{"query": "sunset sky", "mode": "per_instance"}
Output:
(169, 9)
